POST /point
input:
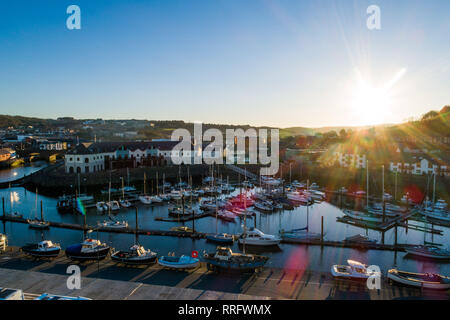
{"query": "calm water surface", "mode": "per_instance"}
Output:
(286, 256)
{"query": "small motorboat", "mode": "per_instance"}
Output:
(178, 262)
(421, 280)
(220, 238)
(145, 199)
(299, 234)
(225, 259)
(354, 270)
(101, 206)
(432, 252)
(89, 249)
(38, 224)
(113, 205)
(43, 249)
(367, 217)
(114, 224)
(125, 203)
(360, 239)
(256, 237)
(181, 229)
(137, 255)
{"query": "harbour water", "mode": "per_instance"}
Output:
(7, 175)
(287, 256)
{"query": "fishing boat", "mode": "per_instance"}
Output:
(256, 237)
(43, 249)
(360, 239)
(101, 206)
(354, 270)
(178, 262)
(225, 259)
(299, 234)
(432, 252)
(367, 217)
(421, 280)
(89, 249)
(220, 238)
(137, 255)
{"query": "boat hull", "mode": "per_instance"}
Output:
(34, 252)
(402, 278)
(81, 256)
(123, 257)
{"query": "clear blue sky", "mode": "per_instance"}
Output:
(263, 62)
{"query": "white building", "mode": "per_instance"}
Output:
(419, 167)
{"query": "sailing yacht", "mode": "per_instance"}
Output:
(35, 223)
(114, 224)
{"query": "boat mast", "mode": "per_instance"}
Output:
(136, 231)
(157, 188)
(123, 190)
(245, 218)
(434, 188)
(144, 184)
(367, 183)
(109, 200)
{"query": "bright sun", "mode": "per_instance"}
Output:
(371, 104)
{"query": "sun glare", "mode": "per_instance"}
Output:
(372, 104)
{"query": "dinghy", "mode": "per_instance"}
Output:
(421, 280)
(178, 262)
(38, 224)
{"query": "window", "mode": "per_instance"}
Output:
(86, 160)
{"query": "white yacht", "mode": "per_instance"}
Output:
(354, 270)
(256, 237)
